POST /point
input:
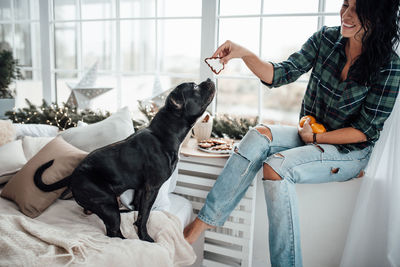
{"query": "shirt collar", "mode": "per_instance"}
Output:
(340, 44)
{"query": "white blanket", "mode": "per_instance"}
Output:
(64, 235)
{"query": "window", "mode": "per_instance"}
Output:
(143, 47)
(20, 33)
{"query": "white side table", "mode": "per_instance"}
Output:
(232, 244)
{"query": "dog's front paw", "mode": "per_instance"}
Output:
(146, 237)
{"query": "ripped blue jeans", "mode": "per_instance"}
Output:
(295, 162)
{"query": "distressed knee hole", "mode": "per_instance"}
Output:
(269, 173)
(236, 151)
(334, 170)
(360, 174)
(264, 130)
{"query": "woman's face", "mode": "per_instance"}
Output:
(350, 24)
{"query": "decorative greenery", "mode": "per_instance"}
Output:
(229, 127)
(63, 116)
(9, 71)
(223, 126)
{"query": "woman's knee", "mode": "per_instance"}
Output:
(264, 130)
(269, 173)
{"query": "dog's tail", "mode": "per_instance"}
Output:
(49, 187)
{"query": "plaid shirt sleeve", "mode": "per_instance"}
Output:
(379, 102)
(298, 63)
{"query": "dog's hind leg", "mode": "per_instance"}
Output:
(145, 200)
(104, 205)
(109, 213)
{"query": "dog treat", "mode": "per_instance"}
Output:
(214, 64)
(205, 145)
(216, 144)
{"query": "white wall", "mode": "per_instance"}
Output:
(325, 213)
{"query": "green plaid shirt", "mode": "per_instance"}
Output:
(334, 103)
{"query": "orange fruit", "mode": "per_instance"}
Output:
(303, 120)
(318, 128)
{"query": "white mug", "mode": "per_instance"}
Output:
(202, 130)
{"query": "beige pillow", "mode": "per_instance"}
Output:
(12, 159)
(21, 188)
(7, 132)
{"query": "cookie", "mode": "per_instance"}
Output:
(214, 64)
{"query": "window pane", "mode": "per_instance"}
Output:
(35, 7)
(135, 88)
(97, 9)
(179, 45)
(137, 8)
(290, 6)
(239, 7)
(21, 9)
(292, 33)
(179, 8)
(5, 10)
(283, 104)
(30, 88)
(168, 82)
(98, 44)
(332, 21)
(64, 9)
(36, 60)
(23, 44)
(5, 37)
(243, 31)
(237, 97)
(106, 101)
(333, 5)
(61, 79)
(65, 46)
(138, 45)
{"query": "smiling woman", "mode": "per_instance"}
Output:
(348, 94)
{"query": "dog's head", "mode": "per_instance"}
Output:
(191, 100)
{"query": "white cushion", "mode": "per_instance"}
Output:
(12, 159)
(35, 130)
(181, 208)
(161, 203)
(82, 123)
(32, 145)
(88, 138)
(172, 181)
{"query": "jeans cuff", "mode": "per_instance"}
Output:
(207, 220)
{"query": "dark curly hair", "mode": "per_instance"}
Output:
(380, 20)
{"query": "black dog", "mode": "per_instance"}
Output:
(143, 161)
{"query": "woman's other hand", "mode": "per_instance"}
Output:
(229, 50)
(306, 132)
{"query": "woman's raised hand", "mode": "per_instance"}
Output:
(229, 50)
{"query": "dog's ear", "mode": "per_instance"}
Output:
(177, 104)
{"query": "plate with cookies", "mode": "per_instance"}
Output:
(216, 145)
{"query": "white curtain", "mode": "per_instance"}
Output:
(374, 234)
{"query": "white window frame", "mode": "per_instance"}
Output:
(209, 40)
(49, 71)
(13, 22)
